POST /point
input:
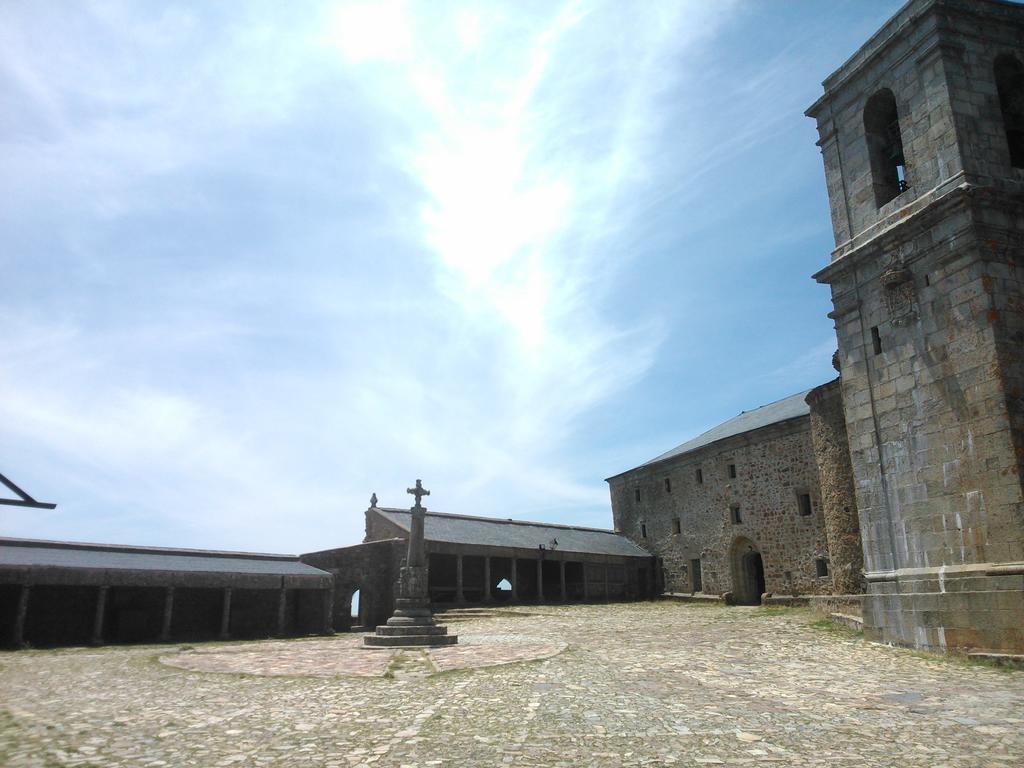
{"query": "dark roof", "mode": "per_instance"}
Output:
(494, 532)
(69, 554)
(791, 407)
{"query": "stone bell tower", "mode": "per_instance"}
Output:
(922, 134)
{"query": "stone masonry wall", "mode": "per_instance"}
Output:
(379, 527)
(838, 504)
(371, 568)
(928, 309)
(773, 465)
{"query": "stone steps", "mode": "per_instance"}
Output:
(399, 641)
(411, 630)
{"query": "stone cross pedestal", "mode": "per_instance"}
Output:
(413, 622)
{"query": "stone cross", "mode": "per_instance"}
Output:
(417, 549)
(419, 492)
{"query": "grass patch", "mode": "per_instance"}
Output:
(831, 627)
(778, 610)
(669, 601)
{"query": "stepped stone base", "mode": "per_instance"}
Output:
(411, 626)
(412, 623)
(976, 607)
(401, 641)
(411, 631)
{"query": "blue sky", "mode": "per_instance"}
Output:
(263, 259)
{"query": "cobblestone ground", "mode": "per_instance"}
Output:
(640, 684)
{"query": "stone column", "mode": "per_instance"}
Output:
(99, 615)
(540, 580)
(165, 628)
(515, 581)
(417, 557)
(561, 579)
(225, 615)
(459, 596)
(282, 602)
(329, 610)
(18, 633)
(487, 578)
(838, 502)
(412, 623)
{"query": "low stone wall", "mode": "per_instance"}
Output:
(686, 597)
(847, 605)
(786, 601)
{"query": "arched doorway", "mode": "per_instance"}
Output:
(747, 573)
(502, 591)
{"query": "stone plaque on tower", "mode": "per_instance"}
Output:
(413, 622)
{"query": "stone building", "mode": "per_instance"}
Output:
(922, 136)
(67, 593)
(64, 593)
(738, 510)
(469, 557)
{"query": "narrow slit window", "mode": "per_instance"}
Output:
(1009, 74)
(876, 340)
(732, 470)
(636, 494)
(821, 567)
(735, 515)
(804, 500)
(700, 477)
(643, 531)
(668, 485)
(885, 147)
(676, 528)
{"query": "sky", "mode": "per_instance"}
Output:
(264, 259)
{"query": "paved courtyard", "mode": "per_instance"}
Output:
(618, 685)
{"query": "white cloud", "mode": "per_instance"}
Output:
(223, 362)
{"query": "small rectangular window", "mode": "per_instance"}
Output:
(805, 504)
(876, 340)
(732, 470)
(636, 494)
(676, 528)
(643, 531)
(668, 485)
(734, 512)
(821, 565)
(700, 477)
